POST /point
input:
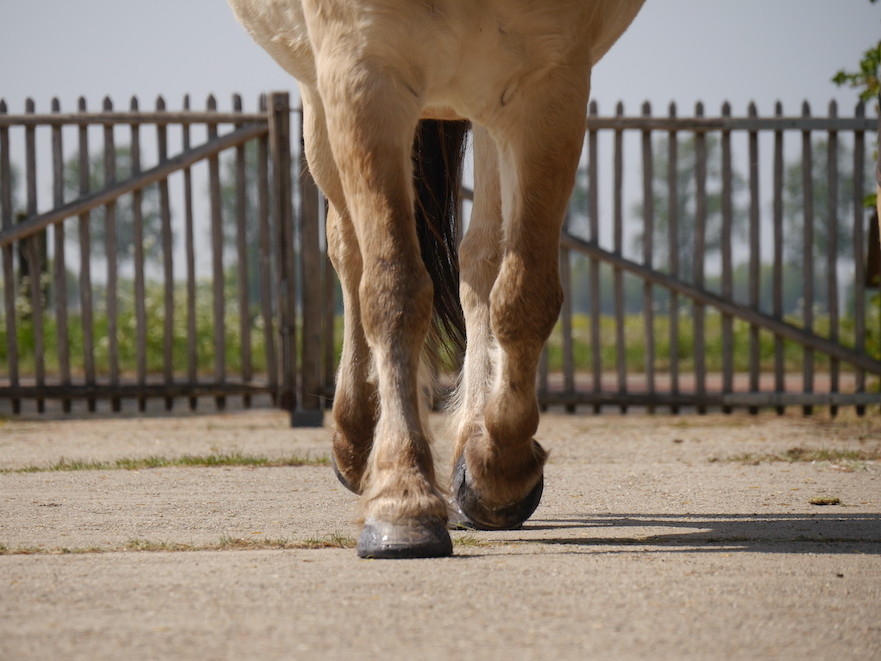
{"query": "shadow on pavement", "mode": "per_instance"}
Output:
(767, 533)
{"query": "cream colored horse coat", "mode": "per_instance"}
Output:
(369, 70)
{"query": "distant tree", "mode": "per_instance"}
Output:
(868, 80)
(124, 208)
(14, 183)
(686, 191)
(793, 203)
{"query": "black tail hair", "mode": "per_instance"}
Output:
(438, 152)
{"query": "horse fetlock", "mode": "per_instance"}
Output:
(401, 495)
(501, 474)
(483, 501)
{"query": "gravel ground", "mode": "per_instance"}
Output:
(658, 537)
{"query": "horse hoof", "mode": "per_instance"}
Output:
(471, 512)
(380, 539)
(341, 477)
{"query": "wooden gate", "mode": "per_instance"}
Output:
(685, 301)
(714, 328)
(184, 345)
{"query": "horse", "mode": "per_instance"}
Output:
(389, 89)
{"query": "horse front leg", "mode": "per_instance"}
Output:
(355, 405)
(498, 474)
(371, 128)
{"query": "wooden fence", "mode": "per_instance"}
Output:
(679, 303)
(36, 308)
(772, 334)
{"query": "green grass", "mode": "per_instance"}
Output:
(635, 343)
(154, 335)
(634, 333)
(209, 460)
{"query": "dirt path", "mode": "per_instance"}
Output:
(650, 543)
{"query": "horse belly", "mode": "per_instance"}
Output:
(478, 55)
(279, 27)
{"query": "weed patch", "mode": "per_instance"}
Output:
(143, 463)
(804, 455)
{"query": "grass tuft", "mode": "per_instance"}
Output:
(801, 455)
(209, 460)
(825, 500)
(226, 543)
(469, 541)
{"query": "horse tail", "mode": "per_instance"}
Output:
(438, 152)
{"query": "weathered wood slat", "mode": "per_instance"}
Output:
(34, 248)
(134, 391)
(111, 252)
(566, 320)
(808, 255)
(8, 256)
(754, 251)
(708, 124)
(648, 206)
(190, 249)
(832, 245)
(673, 230)
(167, 261)
(700, 249)
(738, 310)
(86, 202)
(85, 256)
(859, 251)
(727, 269)
(59, 261)
(242, 257)
(310, 265)
(266, 256)
(329, 321)
(618, 274)
(219, 305)
(779, 359)
(138, 236)
(716, 400)
(132, 117)
(282, 207)
(593, 212)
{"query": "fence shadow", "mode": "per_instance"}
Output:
(838, 532)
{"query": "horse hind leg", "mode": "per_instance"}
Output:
(498, 474)
(371, 135)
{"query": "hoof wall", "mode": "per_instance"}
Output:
(472, 513)
(379, 539)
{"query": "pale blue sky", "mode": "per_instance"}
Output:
(677, 49)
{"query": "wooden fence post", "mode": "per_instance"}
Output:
(282, 212)
(310, 413)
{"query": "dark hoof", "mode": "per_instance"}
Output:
(341, 477)
(379, 539)
(469, 511)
